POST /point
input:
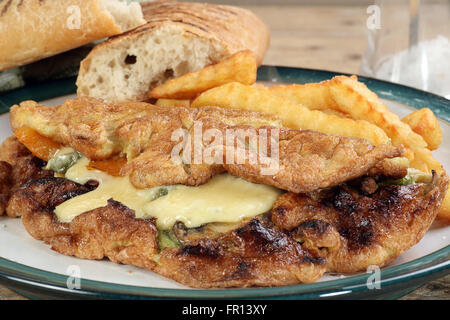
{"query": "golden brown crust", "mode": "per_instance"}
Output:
(111, 231)
(17, 166)
(11, 150)
(343, 232)
(243, 257)
(47, 34)
(236, 28)
(307, 159)
(390, 168)
(100, 130)
(310, 160)
(5, 185)
(353, 231)
(253, 255)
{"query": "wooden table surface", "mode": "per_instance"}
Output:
(319, 37)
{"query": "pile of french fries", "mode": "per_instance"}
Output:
(340, 106)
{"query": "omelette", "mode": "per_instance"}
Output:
(109, 188)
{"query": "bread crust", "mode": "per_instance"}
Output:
(35, 29)
(234, 27)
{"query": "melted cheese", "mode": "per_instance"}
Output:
(117, 188)
(224, 198)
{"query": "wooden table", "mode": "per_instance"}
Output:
(316, 37)
(319, 37)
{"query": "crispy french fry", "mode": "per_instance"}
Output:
(239, 96)
(425, 123)
(317, 96)
(314, 96)
(173, 103)
(356, 99)
(336, 113)
(240, 67)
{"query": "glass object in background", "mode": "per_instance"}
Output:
(410, 45)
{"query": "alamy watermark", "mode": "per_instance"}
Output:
(373, 22)
(374, 280)
(73, 22)
(256, 147)
(74, 279)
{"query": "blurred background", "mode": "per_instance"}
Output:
(404, 41)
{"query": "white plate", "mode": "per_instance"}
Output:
(18, 246)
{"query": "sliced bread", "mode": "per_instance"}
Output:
(178, 38)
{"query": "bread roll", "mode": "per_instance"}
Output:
(177, 38)
(35, 29)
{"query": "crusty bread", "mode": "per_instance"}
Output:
(178, 38)
(35, 29)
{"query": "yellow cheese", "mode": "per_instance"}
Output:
(224, 198)
(117, 188)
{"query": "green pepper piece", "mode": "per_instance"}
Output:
(61, 163)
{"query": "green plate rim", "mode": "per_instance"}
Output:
(437, 262)
(433, 263)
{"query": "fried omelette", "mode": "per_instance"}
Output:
(308, 160)
(339, 209)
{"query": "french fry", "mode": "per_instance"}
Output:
(240, 67)
(314, 96)
(173, 103)
(317, 96)
(336, 113)
(356, 99)
(239, 96)
(425, 123)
